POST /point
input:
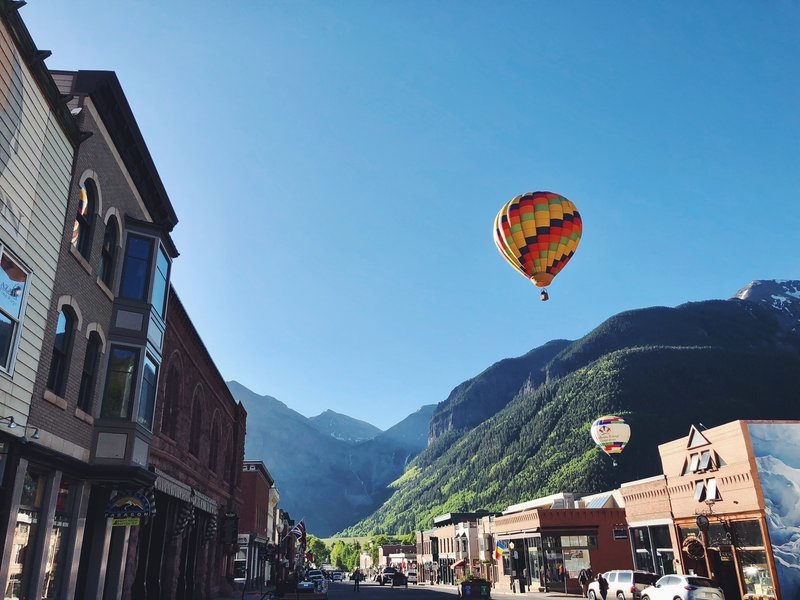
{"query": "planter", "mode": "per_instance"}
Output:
(475, 589)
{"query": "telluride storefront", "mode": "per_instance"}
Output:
(545, 548)
(725, 491)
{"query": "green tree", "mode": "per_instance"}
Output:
(318, 548)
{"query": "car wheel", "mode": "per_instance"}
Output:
(592, 595)
(645, 597)
(620, 596)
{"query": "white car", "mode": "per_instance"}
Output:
(412, 577)
(683, 587)
(623, 584)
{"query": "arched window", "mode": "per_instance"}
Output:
(108, 253)
(89, 374)
(172, 395)
(82, 229)
(197, 425)
(65, 326)
(213, 449)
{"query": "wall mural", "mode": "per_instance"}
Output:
(776, 447)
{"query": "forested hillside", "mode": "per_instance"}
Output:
(663, 369)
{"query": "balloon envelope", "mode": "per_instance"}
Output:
(537, 233)
(611, 433)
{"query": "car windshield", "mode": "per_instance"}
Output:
(700, 582)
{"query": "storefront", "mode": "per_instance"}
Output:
(545, 548)
(728, 494)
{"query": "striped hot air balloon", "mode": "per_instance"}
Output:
(611, 434)
(537, 233)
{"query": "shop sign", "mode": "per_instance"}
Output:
(126, 507)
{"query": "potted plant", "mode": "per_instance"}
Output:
(474, 586)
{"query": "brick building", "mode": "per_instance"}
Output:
(187, 551)
(257, 526)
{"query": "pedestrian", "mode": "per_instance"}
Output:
(603, 584)
(583, 579)
(357, 580)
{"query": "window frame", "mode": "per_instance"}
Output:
(82, 240)
(134, 375)
(108, 253)
(60, 357)
(16, 321)
(86, 392)
(150, 405)
(127, 270)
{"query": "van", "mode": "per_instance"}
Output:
(623, 584)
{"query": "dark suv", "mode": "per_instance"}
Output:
(387, 575)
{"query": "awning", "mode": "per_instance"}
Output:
(459, 563)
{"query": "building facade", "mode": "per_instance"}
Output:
(186, 551)
(256, 555)
(728, 496)
(544, 544)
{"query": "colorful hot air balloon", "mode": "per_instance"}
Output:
(611, 433)
(537, 233)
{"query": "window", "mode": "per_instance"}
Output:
(13, 284)
(169, 418)
(81, 230)
(194, 434)
(57, 379)
(160, 281)
(89, 374)
(108, 253)
(136, 270)
(705, 461)
(213, 448)
(122, 366)
(147, 399)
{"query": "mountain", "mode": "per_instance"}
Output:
(328, 482)
(782, 296)
(663, 369)
(344, 428)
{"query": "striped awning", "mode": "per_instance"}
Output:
(178, 489)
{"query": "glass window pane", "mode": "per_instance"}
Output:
(695, 462)
(705, 460)
(699, 491)
(712, 489)
(147, 399)
(748, 533)
(121, 382)
(12, 286)
(7, 332)
(136, 270)
(755, 573)
(160, 282)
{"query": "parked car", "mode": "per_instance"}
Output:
(399, 579)
(412, 577)
(685, 587)
(305, 585)
(387, 574)
(337, 576)
(315, 575)
(623, 584)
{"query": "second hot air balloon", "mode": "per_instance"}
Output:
(537, 233)
(611, 433)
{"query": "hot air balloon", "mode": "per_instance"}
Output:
(537, 233)
(611, 433)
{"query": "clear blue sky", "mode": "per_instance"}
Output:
(337, 165)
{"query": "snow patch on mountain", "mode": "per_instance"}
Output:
(782, 295)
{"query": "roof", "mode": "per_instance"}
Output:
(107, 95)
(34, 60)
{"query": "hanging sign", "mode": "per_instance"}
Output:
(126, 509)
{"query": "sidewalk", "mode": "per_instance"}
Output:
(508, 595)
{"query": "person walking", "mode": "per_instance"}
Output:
(357, 580)
(603, 584)
(584, 578)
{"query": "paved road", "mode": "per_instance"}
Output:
(372, 591)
